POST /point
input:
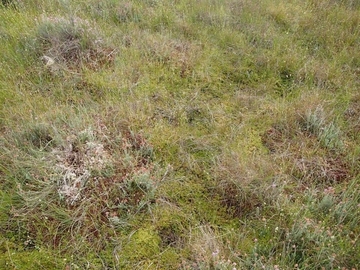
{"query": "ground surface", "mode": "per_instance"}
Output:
(180, 134)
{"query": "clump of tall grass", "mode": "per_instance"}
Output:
(81, 184)
(208, 251)
(312, 144)
(329, 134)
(72, 43)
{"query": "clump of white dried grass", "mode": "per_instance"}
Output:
(76, 164)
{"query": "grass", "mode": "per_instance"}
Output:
(179, 135)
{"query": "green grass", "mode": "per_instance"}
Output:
(179, 134)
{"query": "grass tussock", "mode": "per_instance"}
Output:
(72, 43)
(179, 134)
(92, 179)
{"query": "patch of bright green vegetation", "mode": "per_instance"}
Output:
(13, 258)
(179, 134)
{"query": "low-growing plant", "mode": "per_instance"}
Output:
(72, 43)
(328, 133)
(93, 184)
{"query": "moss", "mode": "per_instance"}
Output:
(11, 257)
(170, 259)
(143, 245)
(5, 203)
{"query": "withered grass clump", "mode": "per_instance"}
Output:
(244, 185)
(93, 181)
(311, 146)
(73, 43)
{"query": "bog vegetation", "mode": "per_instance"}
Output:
(154, 134)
